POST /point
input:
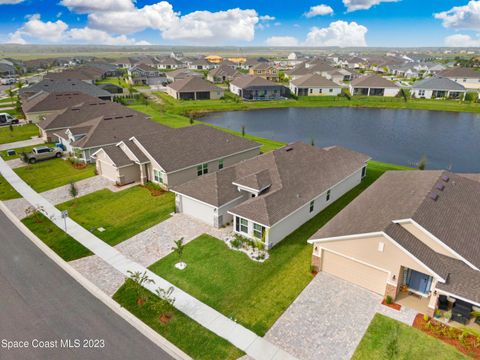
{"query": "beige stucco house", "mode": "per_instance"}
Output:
(411, 235)
(194, 88)
(269, 196)
(373, 85)
(170, 157)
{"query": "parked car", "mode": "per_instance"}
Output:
(8, 81)
(41, 153)
(7, 119)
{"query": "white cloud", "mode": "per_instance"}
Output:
(354, 5)
(36, 28)
(319, 10)
(461, 17)
(90, 6)
(214, 27)
(462, 40)
(338, 33)
(93, 36)
(10, 2)
(282, 41)
(266, 18)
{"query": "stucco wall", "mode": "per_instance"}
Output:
(129, 174)
(318, 91)
(280, 230)
(106, 169)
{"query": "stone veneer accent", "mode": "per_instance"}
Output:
(316, 262)
(391, 290)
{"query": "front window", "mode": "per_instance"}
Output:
(158, 176)
(202, 169)
(258, 231)
(328, 195)
(220, 164)
(312, 205)
(364, 171)
(243, 225)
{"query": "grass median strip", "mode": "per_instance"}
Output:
(7, 192)
(185, 333)
(255, 294)
(122, 214)
(390, 339)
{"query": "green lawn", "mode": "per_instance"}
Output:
(19, 151)
(50, 174)
(185, 333)
(56, 239)
(7, 192)
(122, 214)
(390, 339)
(113, 80)
(19, 133)
(255, 294)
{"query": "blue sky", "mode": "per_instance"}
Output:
(243, 23)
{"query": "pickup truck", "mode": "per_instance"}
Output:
(41, 153)
(7, 119)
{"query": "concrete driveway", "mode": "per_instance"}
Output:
(329, 318)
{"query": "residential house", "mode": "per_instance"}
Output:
(111, 88)
(314, 85)
(176, 55)
(88, 74)
(405, 71)
(170, 157)
(271, 195)
(373, 85)
(438, 88)
(142, 74)
(251, 62)
(124, 63)
(42, 104)
(64, 85)
(468, 77)
(222, 74)
(200, 64)
(265, 70)
(85, 128)
(7, 69)
(180, 74)
(252, 87)
(317, 67)
(295, 58)
(194, 88)
(338, 76)
(169, 63)
(412, 235)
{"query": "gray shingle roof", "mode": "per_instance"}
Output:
(246, 81)
(460, 72)
(297, 173)
(438, 83)
(372, 81)
(44, 101)
(314, 80)
(116, 154)
(193, 84)
(63, 85)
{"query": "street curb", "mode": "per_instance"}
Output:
(144, 329)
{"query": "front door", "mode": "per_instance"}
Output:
(418, 281)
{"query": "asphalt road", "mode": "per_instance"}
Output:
(40, 302)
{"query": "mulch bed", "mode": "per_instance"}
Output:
(392, 305)
(155, 191)
(470, 346)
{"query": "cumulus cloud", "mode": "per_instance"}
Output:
(338, 33)
(354, 5)
(90, 6)
(89, 36)
(319, 10)
(462, 40)
(461, 17)
(282, 41)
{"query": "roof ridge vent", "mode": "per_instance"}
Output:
(445, 178)
(440, 187)
(433, 196)
(288, 148)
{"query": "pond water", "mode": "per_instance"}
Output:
(449, 140)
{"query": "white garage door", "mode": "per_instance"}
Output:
(354, 272)
(197, 210)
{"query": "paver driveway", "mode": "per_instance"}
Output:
(328, 319)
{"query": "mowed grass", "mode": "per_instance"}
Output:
(19, 133)
(185, 333)
(390, 339)
(255, 294)
(56, 239)
(50, 174)
(7, 192)
(122, 214)
(18, 151)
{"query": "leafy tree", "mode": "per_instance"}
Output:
(73, 191)
(179, 248)
(422, 164)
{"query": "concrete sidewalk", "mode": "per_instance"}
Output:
(23, 143)
(244, 339)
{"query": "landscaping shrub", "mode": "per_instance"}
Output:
(388, 299)
(471, 96)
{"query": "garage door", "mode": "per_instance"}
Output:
(354, 272)
(197, 210)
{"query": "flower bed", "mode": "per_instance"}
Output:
(392, 305)
(255, 250)
(465, 340)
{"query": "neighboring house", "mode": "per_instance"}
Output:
(295, 58)
(468, 77)
(180, 74)
(412, 234)
(265, 70)
(143, 74)
(83, 129)
(170, 157)
(438, 88)
(429, 68)
(251, 62)
(169, 63)
(42, 104)
(50, 85)
(338, 75)
(7, 70)
(124, 63)
(271, 195)
(111, 88)
(251, 87)
(314, 85)
(88, 74)
(405, 70)
(226, 62)
(194, 88)
(373, 85)
(200, 64)
(177, 55)
(222, 74)
(316, 67)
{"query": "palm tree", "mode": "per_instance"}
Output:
(138, 283)
(179, 247)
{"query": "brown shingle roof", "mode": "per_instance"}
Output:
(246, 81)
(460, 72)
(193, 84)
(297, 173)
(373, 81)
(184, 147)
(55, 101)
